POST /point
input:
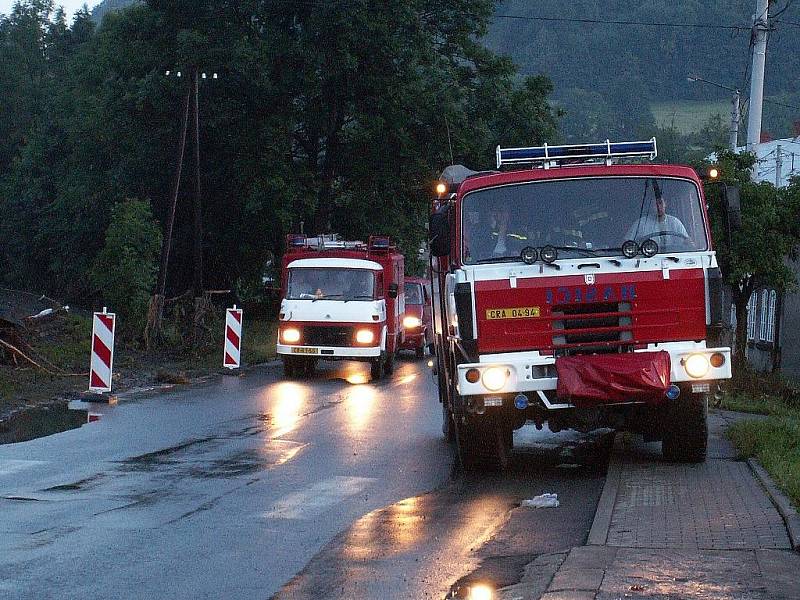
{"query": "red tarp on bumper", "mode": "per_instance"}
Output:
(588, 380)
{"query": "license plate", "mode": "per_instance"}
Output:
(519, 312)
(305, 350)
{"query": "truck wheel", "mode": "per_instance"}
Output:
(388, 366)
(289, 367)
(485, 445)
(686, 439)
(420, 352)
(376, 368)
(309, 366)
(448, 427)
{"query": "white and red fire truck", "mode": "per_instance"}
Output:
(576, 291)
(341, 301)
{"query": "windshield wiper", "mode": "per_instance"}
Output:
(583, 251)
(515, 258)
(361, 297)
(327, 296)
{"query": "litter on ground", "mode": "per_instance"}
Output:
(543, 501)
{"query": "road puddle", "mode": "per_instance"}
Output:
(40, 422)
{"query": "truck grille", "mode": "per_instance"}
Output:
(335, 336)
(597, 327)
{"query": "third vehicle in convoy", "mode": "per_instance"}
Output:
(341, 301)
(584, 293)
(417, 320)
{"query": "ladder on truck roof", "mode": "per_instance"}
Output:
(553, 155)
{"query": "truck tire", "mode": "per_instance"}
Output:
(376, 368)
(309, 366)
(448, 427)
(485, 445)
(388, 366)
(289, 367)
(686, 437)
(420, 352)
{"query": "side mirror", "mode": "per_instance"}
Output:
(439, 228)
(733, 207)
(392, 292)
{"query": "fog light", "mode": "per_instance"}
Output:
(291, 336)
(494, 378)
(365, 336)
(696, 365)
(673, 392)
(521, 401)
(473, 375)
(717, 360)
(649, 248)
(410, 322)
(630, 249)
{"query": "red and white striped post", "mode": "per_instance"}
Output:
(101, 365)
(233, 338)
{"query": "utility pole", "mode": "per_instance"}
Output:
(735, 118)
(760, 29)
(778, 165)
(198, 211)
(155, 312)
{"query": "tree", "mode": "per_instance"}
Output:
(755, 256)
(125, 269)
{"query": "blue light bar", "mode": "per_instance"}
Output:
(607, 150)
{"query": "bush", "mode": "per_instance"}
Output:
(125, 269)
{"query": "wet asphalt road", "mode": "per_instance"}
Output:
(253, 486)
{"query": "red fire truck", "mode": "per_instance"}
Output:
(579, 290)
(341, 301)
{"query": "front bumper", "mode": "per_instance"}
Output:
(532, 372)
(413, 339)
(329, 353)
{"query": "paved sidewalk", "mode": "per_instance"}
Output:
(666, 530)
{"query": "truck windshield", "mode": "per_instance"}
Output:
(321, 283)
(582, 217)
(413, 293)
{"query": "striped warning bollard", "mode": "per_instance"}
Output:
(102, 362)
(233, 338)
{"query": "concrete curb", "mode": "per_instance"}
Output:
(790, 516)
(598, 534)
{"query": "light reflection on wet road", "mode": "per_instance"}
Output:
(230, 489)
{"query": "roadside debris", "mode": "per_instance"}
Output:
(542, 501)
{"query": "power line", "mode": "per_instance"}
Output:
(616, 22)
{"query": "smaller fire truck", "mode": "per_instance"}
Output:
(341, 301)
(417, 320)
(579, 291)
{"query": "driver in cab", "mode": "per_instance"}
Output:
(664, 229)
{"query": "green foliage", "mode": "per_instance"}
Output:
(125, 269)
(754, 256)
(332, 114)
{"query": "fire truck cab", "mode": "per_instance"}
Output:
(340, 301)
(579, 292)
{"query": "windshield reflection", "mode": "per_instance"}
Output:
(582, 217)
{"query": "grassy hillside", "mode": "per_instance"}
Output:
(607, 75)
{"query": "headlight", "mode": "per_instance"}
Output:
(365, 336)
(291, 335)
(410, 322)
(494, 378)
(696, 365)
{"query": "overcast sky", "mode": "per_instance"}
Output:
(69, 5)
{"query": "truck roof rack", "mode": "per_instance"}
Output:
(555, 154)
(320, 242)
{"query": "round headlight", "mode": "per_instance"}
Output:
(494, 378)
(364, 336)
(291, 335)
(696, 365)
(529, 255)
(630, 249)
(410, 322)
(549, 254)
(649, 248)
